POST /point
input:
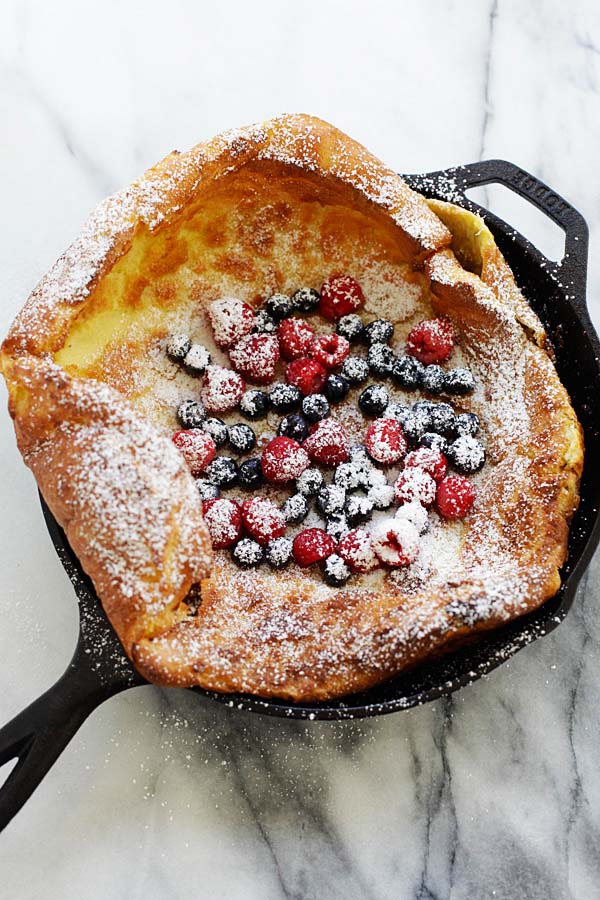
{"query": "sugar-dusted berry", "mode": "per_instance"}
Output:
(312, 546)
(415, 484)
(197, 447)
(231, 320)
(395, 542)
(431, 461)
(356, 548)
(248, 553)
(308, 375)
(455, 497)
(330, 350)
(283, 460)
(327, 443)
(385, 441)
(262, 519)
(255, 357)
(222, 389)
(224, 522)
(431, 341)
(295, 338)
(340, 295)
(335, 571)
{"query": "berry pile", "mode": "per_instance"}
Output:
(347, 486)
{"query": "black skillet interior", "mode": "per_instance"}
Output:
(99, 667)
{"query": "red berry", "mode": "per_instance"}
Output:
(312, 546)
(283, 459)
(385, 441)
(455, 497)
(295, 338)
(222, 389)
(327, 443)
(231, 320)
(198, 448)
(340, 295)
(432, 461)
(255, 357)
(307, 375)
(224, 521)
(264, 521)
(396, 542)
(356, 549)
(330, 350)
(431, 341)
(415, 484)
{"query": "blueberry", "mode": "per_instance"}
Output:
(310, 482)
(250, 474)
(381, 496)
(285, 397)
(466, 423)
(336, 387)
(434, 442)
(443, 419)
(351, 327)
(178, 346)
(191, 414)
(355, 369)
(279, 552)
(315, 407)
(331, 499)
(295, 509)
(264, 323)
(466, 454)
(279, 306)
(337, 526)
(374, 400)
(379, 332)
(247, 553)
(407, 372)
(306, 299)
(217, 429)
(207, 490)
(358, 509)
(254, 404)
(459, 381)
(347, 475)
(241, 437)
(335, 571)
(380, 359)
(294, 427)
(434, 379)
(416, 424)
(196, 360)
(398, 412)
(222, 471)
(424, 406)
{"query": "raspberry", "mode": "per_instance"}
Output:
(263, 520)
(396, 542)
(198, 448)
(224, 521)
(357, 550)
(330, 350)
(431, 341)
(385, 441)
(431, 461)
(327, 443)
(415, 484)
(222, 389)
(307, 375)
(455, 497)
(416, 514)
(231, 320)
(340, 295)
(312, 546)
(283, 460)
(295, 338)
(256, 356)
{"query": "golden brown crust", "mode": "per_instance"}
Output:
(217, 218)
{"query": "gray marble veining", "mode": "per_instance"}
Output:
(492, 793)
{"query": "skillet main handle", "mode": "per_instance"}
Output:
(37, 735)
(573, 267)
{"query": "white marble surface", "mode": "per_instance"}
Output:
(494, 793)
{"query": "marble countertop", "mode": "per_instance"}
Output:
(492, 793)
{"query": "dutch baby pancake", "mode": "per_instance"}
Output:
(300, 426)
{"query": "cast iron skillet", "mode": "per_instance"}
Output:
(99, 667)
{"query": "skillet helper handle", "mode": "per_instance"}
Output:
(37, 735)
(573, 267)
